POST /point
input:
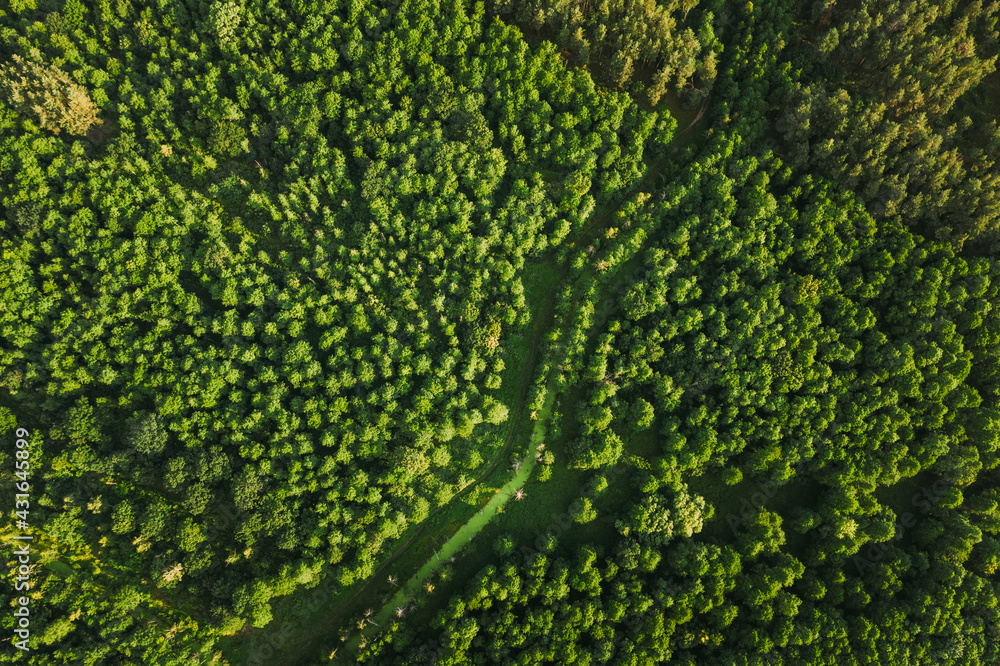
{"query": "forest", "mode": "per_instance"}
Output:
(504, 332)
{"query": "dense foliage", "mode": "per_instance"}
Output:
(281, 289)
(271, 302)
(774, 341)
(834, 373)
(879, 112)
(678, 49)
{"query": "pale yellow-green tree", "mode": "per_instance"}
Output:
(47, 94)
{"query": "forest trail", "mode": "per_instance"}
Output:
(410, 591)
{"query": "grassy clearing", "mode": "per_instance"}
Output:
(735, 504)
(914, 496)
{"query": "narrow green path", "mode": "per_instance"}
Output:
(410, 593)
